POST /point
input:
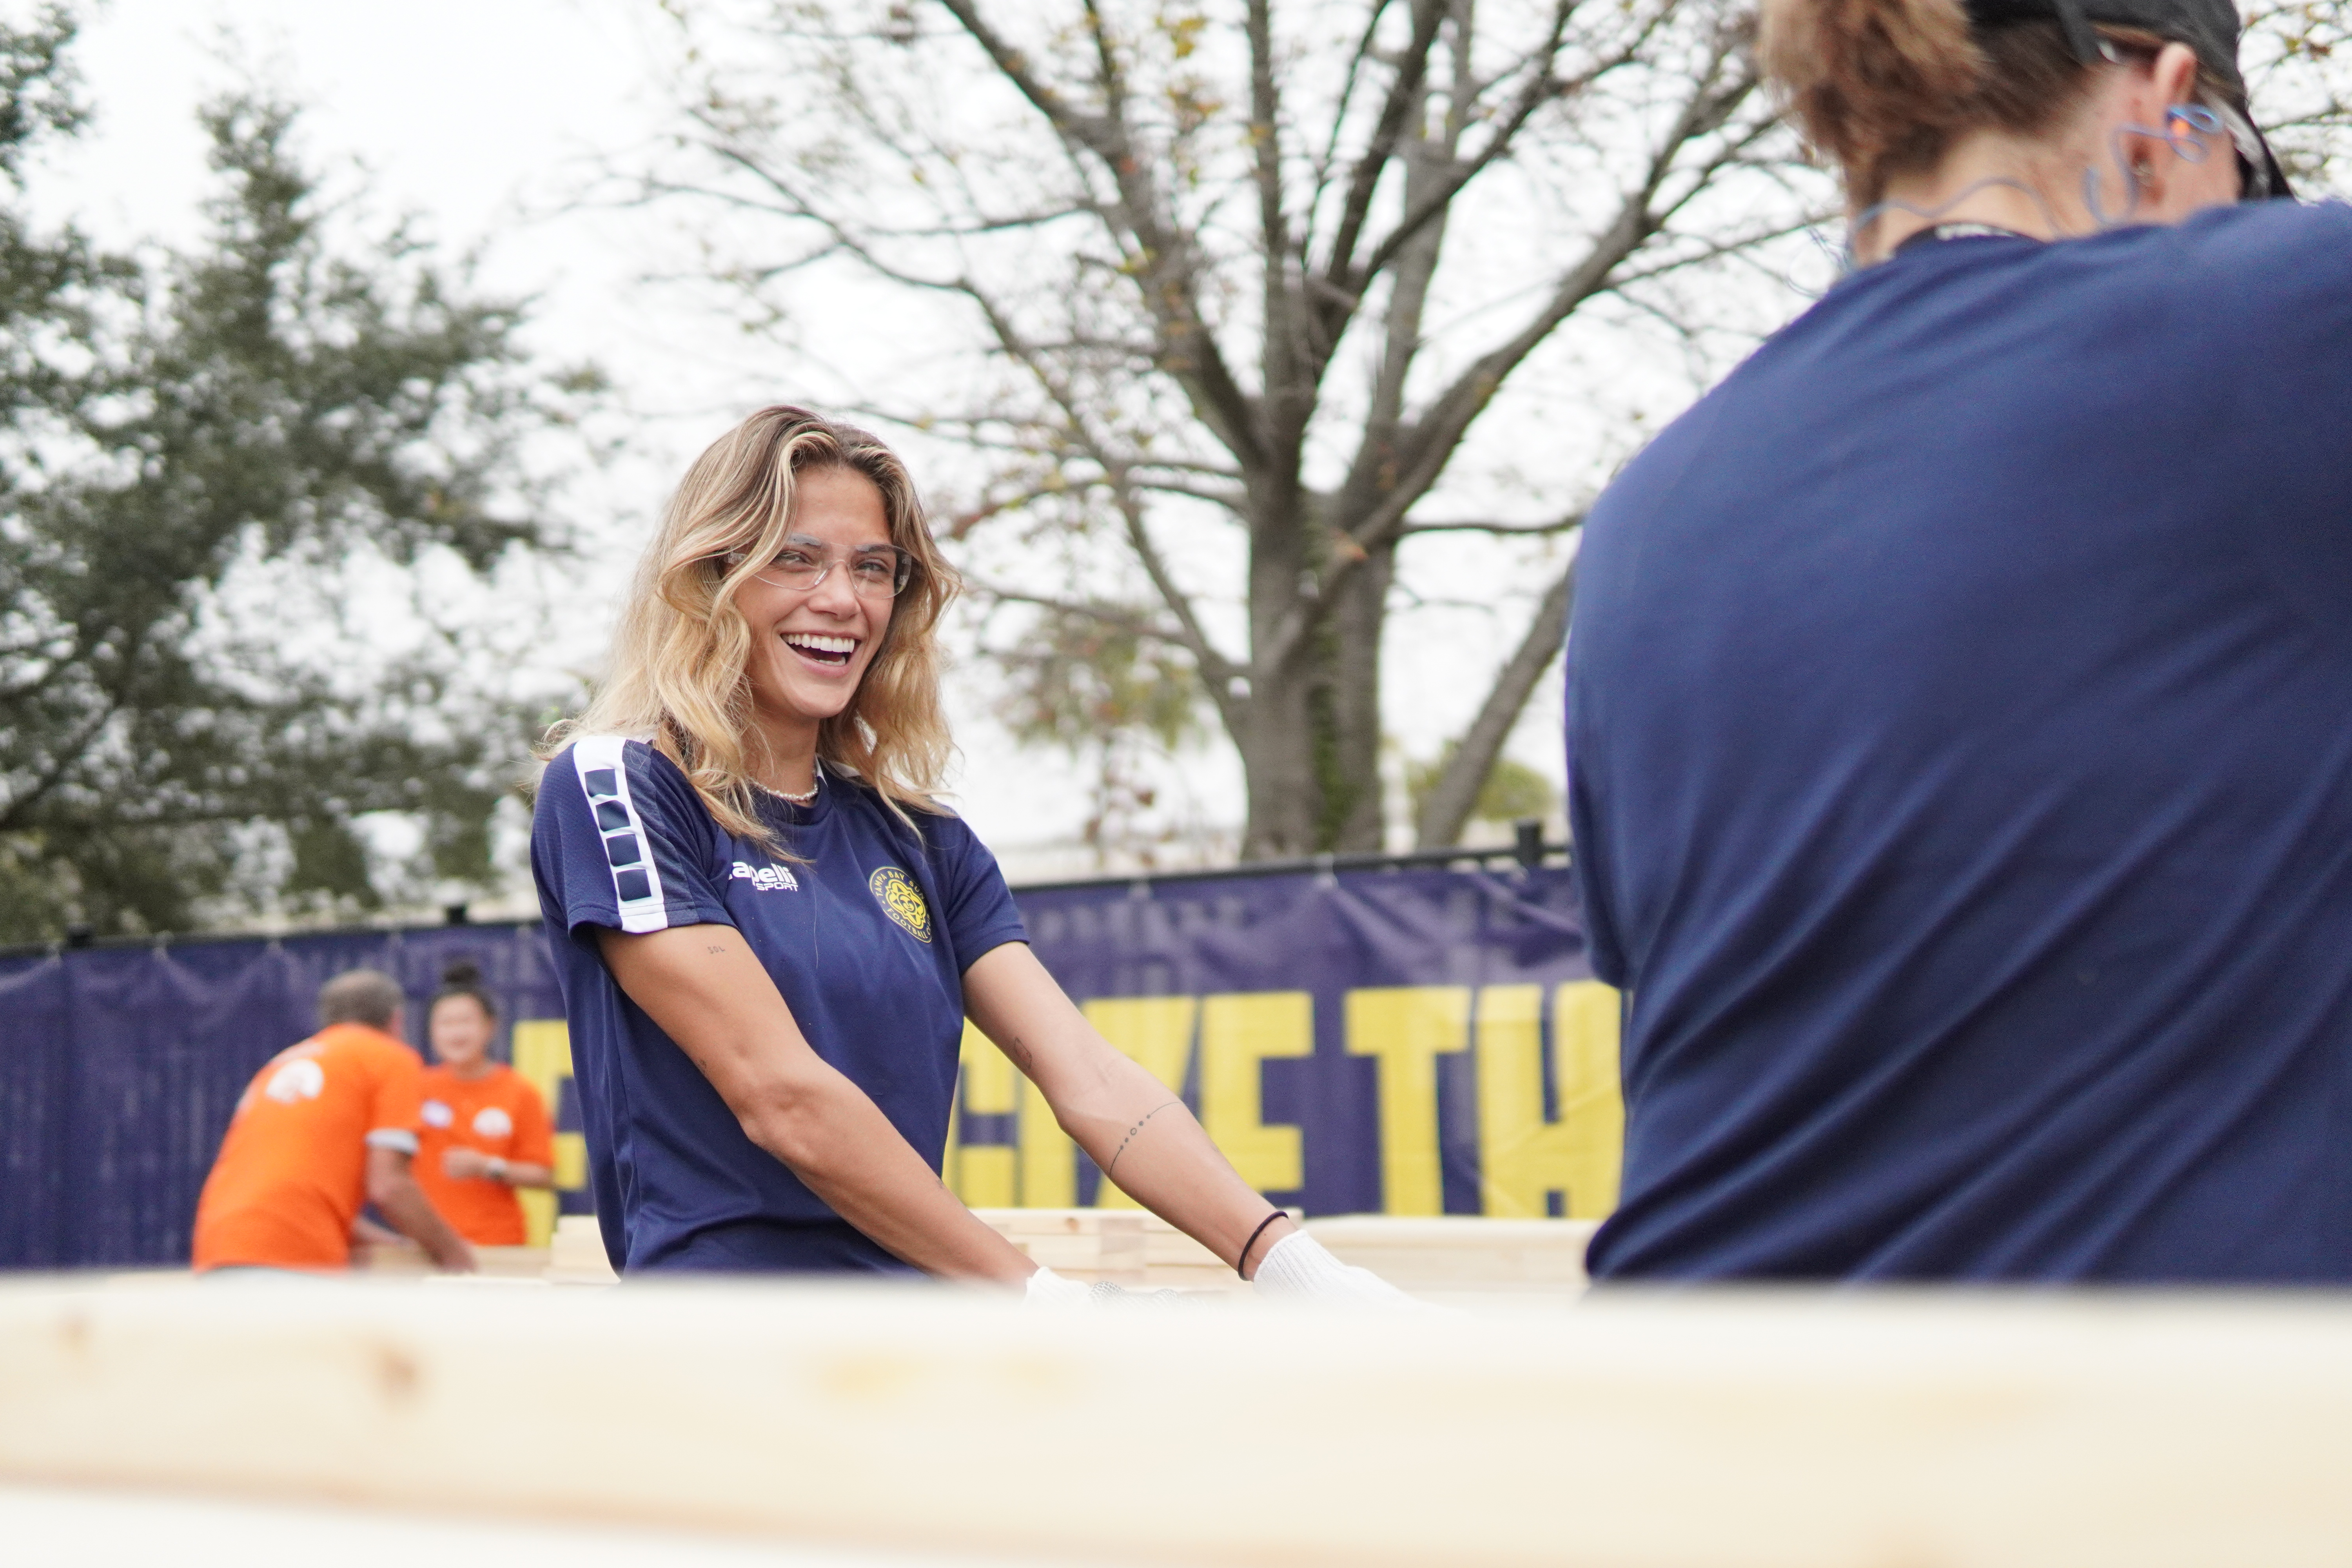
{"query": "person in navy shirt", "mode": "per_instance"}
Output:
(1960, 695)
(770, 935)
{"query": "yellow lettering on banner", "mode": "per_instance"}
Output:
(1156, 1031)
(1238, 1033)
(543, 1054)
(989, 1079)
(1406, 1029)
(982, 1175)
(1049, 1161)
(1585, 1016)
(1521, 1156)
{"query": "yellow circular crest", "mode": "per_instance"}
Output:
(902, 902)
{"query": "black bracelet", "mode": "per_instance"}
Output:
(1278, 1214)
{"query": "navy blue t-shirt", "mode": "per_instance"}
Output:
(866, 933)
(1960, 738)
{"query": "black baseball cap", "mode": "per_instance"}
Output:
(2208, 27)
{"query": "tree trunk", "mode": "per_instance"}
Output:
(1277, 746)
(1350, 818)
(1277, 736)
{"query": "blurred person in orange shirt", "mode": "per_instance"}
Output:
(485, 1129)
(327, 1125)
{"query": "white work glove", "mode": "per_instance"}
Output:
(1049, 1289)
(1299, 1268)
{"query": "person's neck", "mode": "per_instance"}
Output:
(1989, 179)
(783, 755)
(481, 1066)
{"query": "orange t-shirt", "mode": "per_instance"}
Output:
(499, 1114)
(292, 1172)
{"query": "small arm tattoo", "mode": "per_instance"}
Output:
(1019, 1053)
(1131, 1136)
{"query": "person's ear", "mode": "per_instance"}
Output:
(2203, 171)
(2173, 76)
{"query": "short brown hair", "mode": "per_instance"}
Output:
(367, 997)
(1883, 88)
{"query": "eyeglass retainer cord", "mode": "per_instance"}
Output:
(2190, 143)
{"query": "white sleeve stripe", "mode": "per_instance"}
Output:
(398, 1138)
(602, 764)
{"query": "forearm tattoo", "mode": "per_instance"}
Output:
(1131, 1136)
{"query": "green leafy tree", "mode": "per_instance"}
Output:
(193, 452)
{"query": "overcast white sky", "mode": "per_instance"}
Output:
(483, 118)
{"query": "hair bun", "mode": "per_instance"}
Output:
(1871, 82)
(461, 971)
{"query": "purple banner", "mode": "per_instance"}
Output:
(1393, 1041)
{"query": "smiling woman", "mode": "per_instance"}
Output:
(746, 566)
(770, 933)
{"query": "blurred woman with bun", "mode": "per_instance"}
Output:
(486, 1129)
(1959, 772)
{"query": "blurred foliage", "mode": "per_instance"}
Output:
(1086, 684)
(1512, 790)
(261, 403)
(1076, 676)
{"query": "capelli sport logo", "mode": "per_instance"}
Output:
(767, 879)
(902, 902)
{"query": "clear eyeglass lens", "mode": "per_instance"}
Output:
(875, 574)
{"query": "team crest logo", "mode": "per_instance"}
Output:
(902, 902)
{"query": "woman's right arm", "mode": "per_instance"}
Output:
(710, 993)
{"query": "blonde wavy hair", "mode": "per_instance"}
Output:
(678, 676)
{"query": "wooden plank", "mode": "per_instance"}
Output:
(71, 1527)
(1777, 1431)
(406, 1258)
(1130, 1248)
(1465, 1261)
(576, 1256)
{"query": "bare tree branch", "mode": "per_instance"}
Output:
(1432, 441)
(1133, 621)
(1404, 92)
(1170, 230)
(1448, 807)
(1529, 530)
(1164, 257)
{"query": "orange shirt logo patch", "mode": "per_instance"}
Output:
(296, 1081)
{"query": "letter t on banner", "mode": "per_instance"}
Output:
(1407, 1027)
(982, 1175)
